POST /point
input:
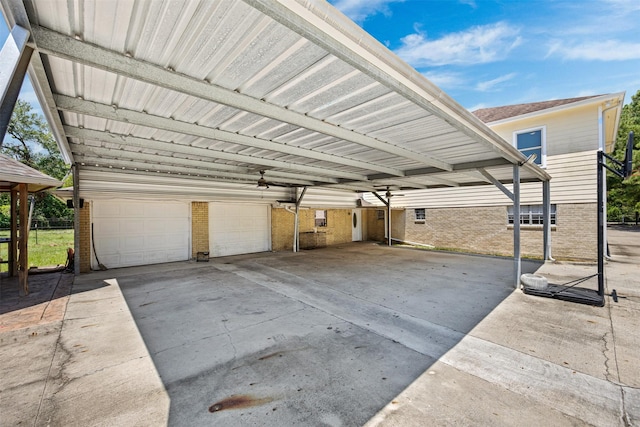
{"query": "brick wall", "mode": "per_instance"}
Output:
(485, 230)
(338, 229)
(199, 228)
(85, 237)
(281, 229)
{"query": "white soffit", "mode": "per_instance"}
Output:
(224, 89)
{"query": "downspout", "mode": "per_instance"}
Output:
(601, 147)
(603, 189)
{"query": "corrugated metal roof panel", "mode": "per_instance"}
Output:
(289, 87)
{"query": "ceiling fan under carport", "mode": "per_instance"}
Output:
(263, 184)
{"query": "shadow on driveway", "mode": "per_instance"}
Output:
(323, 337)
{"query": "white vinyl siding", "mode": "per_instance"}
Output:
(571, 131)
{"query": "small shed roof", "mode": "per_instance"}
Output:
(13, 172)
(222, 90)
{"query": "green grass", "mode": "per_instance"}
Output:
(47, 248)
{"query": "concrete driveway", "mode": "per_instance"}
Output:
(344, 336)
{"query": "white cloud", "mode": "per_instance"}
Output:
(624, 6)
(478, 106)
(445, 80)
(606, 50)
(491, 84)
(471, 3)
(476, 45)
(360, 10)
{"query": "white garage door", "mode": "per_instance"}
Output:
(128, 233)
(238, 229)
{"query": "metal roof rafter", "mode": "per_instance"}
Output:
(187, 150)
(60, 45)
(104, 111)
(129, 160)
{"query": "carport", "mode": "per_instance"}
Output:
(230, 92)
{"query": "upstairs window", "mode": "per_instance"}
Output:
(532, 141)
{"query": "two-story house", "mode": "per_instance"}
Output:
(564, 135)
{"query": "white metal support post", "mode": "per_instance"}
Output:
(76, 220)
(546, 225)
(517, 262)
(296, 226)
(14, 61)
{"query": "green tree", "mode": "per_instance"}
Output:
(30, 141)
(624, 196)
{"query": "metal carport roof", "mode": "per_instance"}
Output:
(221, 90)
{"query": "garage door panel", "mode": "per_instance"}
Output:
(132, 226)
(106, 227)
(155, 257)
(238, 229)
(131, 244)
(131, 233)
(107, 244)
(158, 226)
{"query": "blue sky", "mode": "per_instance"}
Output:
(487, 53)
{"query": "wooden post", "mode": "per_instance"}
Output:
(23, 259)
(13, 245)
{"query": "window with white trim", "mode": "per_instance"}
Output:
(532, 141)
(420, 214)
(531, 215)
(321, 218)
(380, 214)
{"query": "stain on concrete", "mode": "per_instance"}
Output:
(238, 402)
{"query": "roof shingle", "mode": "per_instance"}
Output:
(488, 115)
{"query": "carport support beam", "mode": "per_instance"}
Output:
(296, 238)
(14, 61)
(517, 261)
(76, 220)
(387, 203)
